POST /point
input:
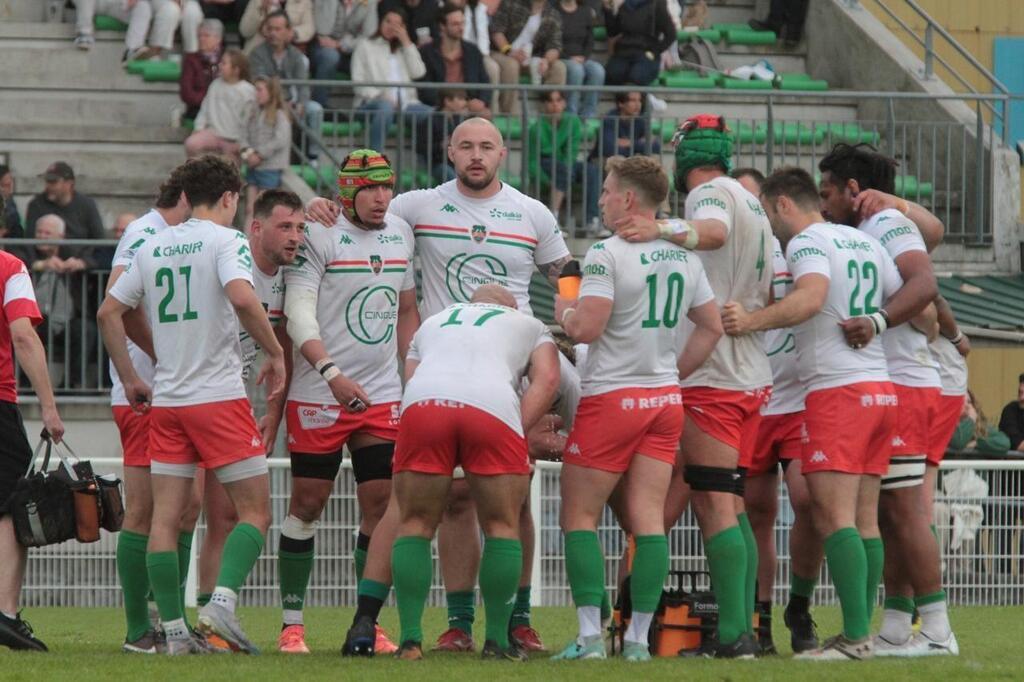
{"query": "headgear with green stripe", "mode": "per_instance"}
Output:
(701, 140)
(361, 169)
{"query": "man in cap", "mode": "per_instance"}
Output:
(59, 197)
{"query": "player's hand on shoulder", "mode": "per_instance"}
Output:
(858, 331)
(634, 228)
(735, 319)
(870, 201)
(323, 211)
(349, 394)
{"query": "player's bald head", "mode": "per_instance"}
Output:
(495, 294)
(477, 127)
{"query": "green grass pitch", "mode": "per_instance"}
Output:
(85, 645)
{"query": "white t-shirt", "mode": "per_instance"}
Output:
(952, 366)
(740, 271)
(780, 344)
(358, 275)
(524, 41)
(134, 236)
(906, 349)
(861, 276)
(476, 354)
(181, 273)
(270, 290)
(652, 285)
(462, 242)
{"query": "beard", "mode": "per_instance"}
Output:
(477, 185)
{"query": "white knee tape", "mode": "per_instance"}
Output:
(297, 529)
(905, 471)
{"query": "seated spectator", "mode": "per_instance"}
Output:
(390, 56)
(267, 142)
(553, 145)
(453, 60)
(104, 255)
(638, 32)
(478, 15)
(786, 18)
(224, 113)
(300, 17)
(156, 18)
(78, 212)
(11, 218)
(199, 68)
(421, 17)
(340, 26)
(975, 433)
(434, 131)
(526, 34)
(578, 21)
(624, 130)
(1011, 421)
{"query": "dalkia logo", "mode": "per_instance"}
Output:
(507, 215)
(448, 208)
(376, 263)
(479, 233)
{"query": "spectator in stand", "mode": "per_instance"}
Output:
(228, 12)
(300, 17)
(786, 18)
(390, 56)
(104, 255)
(199, 68)
(225, 111)
(421, 17)
(1011, 421)
(78, 211)
(638, 32)
(526, 34)
(453, 60)
(478, 15)
(11, 220)
(435, 130)
(553, 145)
(267, 142)
(157, 18)
(340, 26)
(578, 21)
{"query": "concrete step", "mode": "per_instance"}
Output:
(90, 133)
(51, 106)
(28, 65)
(101, 159)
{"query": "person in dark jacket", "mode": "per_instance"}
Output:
(578, 21)
(453, 60)
(198, 69)
(639, 31)
(422, 17)
(1011, 421)
(11, 224)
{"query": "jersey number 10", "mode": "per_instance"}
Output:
(673, 301)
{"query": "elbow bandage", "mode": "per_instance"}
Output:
(300, 309)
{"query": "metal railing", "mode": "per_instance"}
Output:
(982, 543)
(943, 165)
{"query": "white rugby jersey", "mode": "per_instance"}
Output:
(270, 290)
(358, 275)
(462, 242)
(780, 344)
(137, 232)
(180, 273)
(652, 286)
(740, 271)
(476, 354)
(861, 276)
(906, 349)
(952, 366)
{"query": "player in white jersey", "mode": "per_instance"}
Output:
(777, 443)
(471, 231)
(194, 278)
(913, 575)
(631, 415)
(351, 308)
(462, 407)
(722, 399)
(275, 234)
(841, 276)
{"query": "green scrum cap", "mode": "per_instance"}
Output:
(360, 169)
(701, 140)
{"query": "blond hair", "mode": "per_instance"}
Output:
(275, 103)
(642, 174)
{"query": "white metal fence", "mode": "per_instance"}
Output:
(984, 565)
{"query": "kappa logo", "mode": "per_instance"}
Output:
(291, 599)
(819, 457)
(256, 442)
(376, 264)
(573, 449)
(448, 208)
(345, 240)
(898, 442)
(479, 233)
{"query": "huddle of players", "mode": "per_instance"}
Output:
(460, 407)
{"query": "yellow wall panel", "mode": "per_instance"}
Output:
(993, 376)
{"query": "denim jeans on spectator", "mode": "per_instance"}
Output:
(595, 179)
(589, 72)
(635, 70)
(325, 62)
(561, 174)
(314, 118)
(380, 113)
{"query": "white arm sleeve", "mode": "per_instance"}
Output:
(300, 309)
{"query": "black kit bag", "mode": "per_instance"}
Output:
(42, 506)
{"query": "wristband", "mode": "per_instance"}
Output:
(330, 372)
(670, 228)
(565, 314)
(322, 364)
(957, 338)
(880, 321)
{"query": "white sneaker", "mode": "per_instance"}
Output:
(886, 648)
(923, 645)
(839, 648)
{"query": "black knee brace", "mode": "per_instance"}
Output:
(712, 479)
(320, 466)
(373, 463)
(741, 482)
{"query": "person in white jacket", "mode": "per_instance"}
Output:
(393, 57)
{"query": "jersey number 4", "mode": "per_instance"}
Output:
(862, 275)
(673, 287)
(165, 279)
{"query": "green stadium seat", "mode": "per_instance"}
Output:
(343, 128)
(685, 79)
(908, 186)
(309, 175)
(600, 33)
(744, 132)
(342, 76)
(710, 35)
(161, 72)
(591, 129)
(103, 22)
(513, 180)
(796, 133)
(511, 127)
(800, 81)
(188, 123)
(728, 27)
(749, 37)
(135, 67)
(738, 84)
(408, 180)
(850, 133)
